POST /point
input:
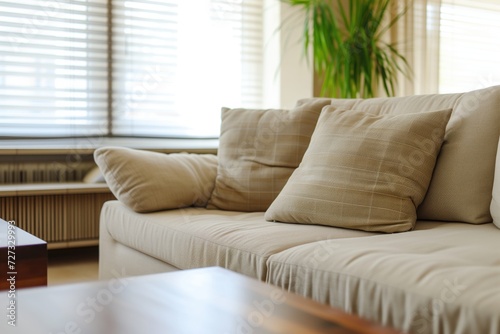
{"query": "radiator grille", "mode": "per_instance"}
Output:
(66, 219)
(33, 172)
(45, 196)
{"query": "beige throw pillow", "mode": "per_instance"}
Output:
(149, 181)
(363, 171)
(461, 186)
(258, 151)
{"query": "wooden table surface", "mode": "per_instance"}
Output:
(26, 261)
(199, 301)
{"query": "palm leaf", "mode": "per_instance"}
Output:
(349, 52)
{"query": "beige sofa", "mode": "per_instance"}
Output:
(432, 266)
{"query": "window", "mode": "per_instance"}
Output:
(469, 45)
(52, 67)
(127, 67)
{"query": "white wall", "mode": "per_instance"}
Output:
(288, 75)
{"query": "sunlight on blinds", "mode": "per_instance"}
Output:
(53, 68)
(469, 45)
(177, 63)
(173, 65)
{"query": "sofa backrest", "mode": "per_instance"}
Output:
(461, 187)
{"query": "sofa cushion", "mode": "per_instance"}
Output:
(258, 151)
(461, 187)
(495, 201)
(441, 278)
(197, 237)
(363, 171)
(149, 181)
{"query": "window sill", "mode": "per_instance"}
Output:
(38, 189)
(88, 145)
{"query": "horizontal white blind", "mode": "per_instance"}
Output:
(176, 63)
(469, 45)
(53, 68)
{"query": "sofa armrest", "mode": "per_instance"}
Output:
(149, 181)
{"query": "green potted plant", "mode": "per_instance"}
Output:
(350, 54)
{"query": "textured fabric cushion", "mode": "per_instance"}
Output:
(149, 181)
(441, 278)
(495, 201)
(462, 183)
(363, 171)
(258, 151)
(196, 237)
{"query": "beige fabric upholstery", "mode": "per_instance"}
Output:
(258, 151)
(197, 237)
(461, 186)
(117, 260)
(495, 201)
(363, 171)
(442, 278)
(150, 181)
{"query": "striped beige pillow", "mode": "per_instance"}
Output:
(363, 171)
(258, 151)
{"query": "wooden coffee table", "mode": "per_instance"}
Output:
(23, 258)
(205, 301)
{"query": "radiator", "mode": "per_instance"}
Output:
(50, 201)
(42, 172)
(66, 220)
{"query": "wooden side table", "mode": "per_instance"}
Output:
(23, 258)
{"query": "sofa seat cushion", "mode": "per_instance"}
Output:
(197, 237)
(440, 278)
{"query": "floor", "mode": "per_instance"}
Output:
(72, 265)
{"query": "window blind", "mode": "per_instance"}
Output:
(176, 63)
(469, 45)
(53, 68)
(173, 64)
